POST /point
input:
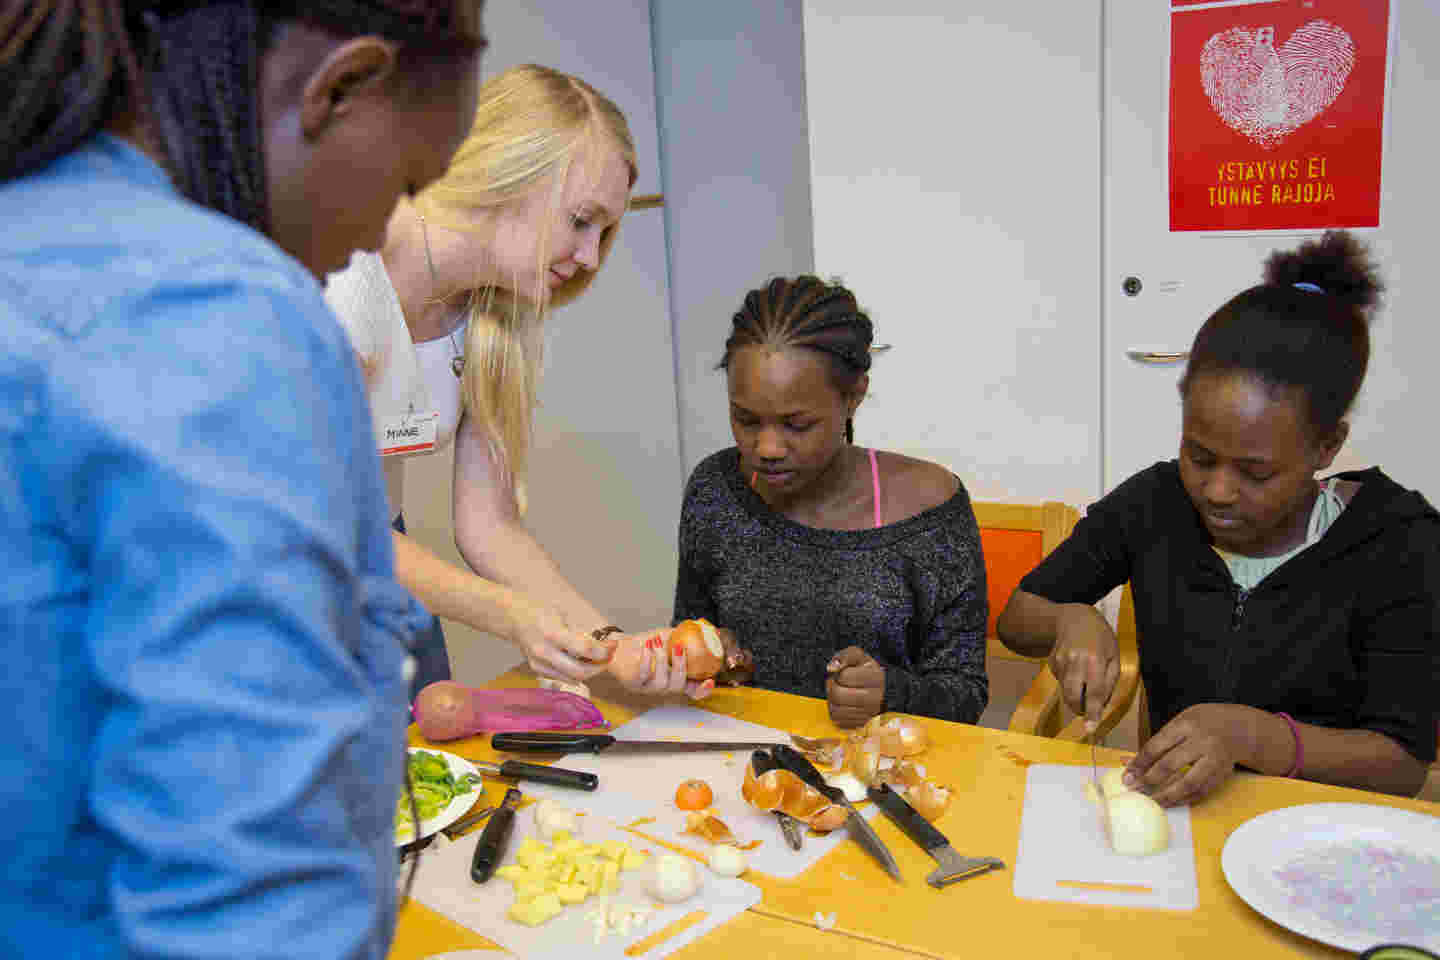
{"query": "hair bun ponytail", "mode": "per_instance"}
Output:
(1338, 264)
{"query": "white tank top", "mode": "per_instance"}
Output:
(403, 376)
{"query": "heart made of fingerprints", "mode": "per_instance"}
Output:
(1266, 94)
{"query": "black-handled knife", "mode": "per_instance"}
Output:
(863, 834)
(596, 742)
(539, 773)
(490, 849)
(789, 826)
(952, 866)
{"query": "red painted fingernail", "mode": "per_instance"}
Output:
(677, 649)
(654, 643)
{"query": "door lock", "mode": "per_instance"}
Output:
(1132, 286)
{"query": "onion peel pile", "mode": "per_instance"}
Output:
(710, 828)
(882, 751)
(783, 791)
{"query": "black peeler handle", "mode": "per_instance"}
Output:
(490, 849)
(558, 776)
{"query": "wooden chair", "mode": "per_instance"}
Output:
(1015, 538)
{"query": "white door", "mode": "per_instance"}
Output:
(1183, 277)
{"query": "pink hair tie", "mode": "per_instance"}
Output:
(1299, 746)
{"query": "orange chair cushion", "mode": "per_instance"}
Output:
(1009, 555)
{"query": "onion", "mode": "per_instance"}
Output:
(848, 784)
(704, 651)
(862, 756)
(929, 799)
(726, 860)
(551, 817)
(672, 878)
(1138, 825)
(897, 735)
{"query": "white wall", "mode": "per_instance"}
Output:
(955, 155)
(731, 87)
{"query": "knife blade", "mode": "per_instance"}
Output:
(603, 742)
(1101, 806)
(490, 849)
(863, 834)
(952, 866)
(789, 826)
(453, 832)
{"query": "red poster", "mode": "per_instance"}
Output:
(1277, 113)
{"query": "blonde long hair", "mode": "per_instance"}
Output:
(531, 124)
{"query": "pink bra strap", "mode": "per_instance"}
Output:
(875, 486)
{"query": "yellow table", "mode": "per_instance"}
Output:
(978, 916)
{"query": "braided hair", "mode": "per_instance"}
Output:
(190, 69)
(1306, 328)
(807, 312)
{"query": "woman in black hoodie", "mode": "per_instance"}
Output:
(1288, 625)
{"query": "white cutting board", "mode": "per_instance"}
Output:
(1062, 839)
(442, 883)
(643, 785)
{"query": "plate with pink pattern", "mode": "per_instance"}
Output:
(1352, 875)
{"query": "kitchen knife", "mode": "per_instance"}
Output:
(490, 849)
(1100, 804)
(863, 834)
(453, 832)
(598, 742)
(538, 772)
(789, 826)
(952, 866)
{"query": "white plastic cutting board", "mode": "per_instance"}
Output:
(636, 786)
(442, 883)
(1062, 839)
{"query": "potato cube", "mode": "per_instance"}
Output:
(572, 893)
(534, 912)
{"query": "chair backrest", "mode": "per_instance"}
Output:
(1015, 538)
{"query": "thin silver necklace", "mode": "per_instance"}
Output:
(457, 360)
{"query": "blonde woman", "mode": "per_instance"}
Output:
(447, 320)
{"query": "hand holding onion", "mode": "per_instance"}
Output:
(854, 687)
(683, 660)
(1195, 752)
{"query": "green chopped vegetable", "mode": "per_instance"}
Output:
(434, 785)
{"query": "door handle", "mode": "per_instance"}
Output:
(1157, 356)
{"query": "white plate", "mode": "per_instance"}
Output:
(1352, 875)
(453, 810)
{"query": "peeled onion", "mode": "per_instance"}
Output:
(1138, 825)
(726, 860)
(552, 817)
(672, 878)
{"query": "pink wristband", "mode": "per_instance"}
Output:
(1299, 747)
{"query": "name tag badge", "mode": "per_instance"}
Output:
(407, 433)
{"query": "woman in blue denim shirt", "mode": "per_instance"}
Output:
(203, 636)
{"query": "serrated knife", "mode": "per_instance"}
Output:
(604, 743)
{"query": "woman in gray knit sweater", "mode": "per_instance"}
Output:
(836, 571)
